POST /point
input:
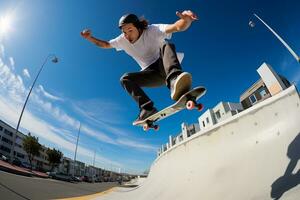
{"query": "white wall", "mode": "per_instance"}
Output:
(251, 156)
(203, 119)
(271, 79)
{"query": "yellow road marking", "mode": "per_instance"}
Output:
(88, 197)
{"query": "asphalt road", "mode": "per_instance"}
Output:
(16, 187)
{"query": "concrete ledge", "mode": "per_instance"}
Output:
(253, 155)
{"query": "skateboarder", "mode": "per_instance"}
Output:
(146, 44)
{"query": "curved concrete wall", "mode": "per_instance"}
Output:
(253, 155)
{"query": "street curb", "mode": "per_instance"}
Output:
(6, 169)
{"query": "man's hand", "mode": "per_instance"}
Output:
(187, 15)
(186, 19)
(86, 33)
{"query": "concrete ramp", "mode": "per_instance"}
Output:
(252, 156)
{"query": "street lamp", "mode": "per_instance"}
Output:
(252, 24)
(76, 149)
(54, 60)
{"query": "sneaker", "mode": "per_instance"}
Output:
(180, 84)
(144, 114)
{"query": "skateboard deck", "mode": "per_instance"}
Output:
(187, 100)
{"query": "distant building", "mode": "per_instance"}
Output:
(212, 116)
(41, 162)
(220, 112)
(6, 142)
(66, 166)
(189, 129)
(79, 168)
(268, 85)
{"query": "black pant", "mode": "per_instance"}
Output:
(155, 75)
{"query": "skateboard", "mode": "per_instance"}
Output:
(187, 100)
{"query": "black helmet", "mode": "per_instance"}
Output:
(128, 18)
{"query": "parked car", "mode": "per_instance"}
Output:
(87, 179)
(76, 179)
(60, 176)
(26, 165)
(3, 157)
(17, 162)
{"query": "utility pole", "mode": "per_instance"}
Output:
(252, 24)
(76, 148)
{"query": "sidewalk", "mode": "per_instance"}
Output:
(5, 166)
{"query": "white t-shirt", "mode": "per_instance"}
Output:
(145, 50)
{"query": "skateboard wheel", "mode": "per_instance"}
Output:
(190, 105)
(156, 127)
(146, 127)
(200, 107)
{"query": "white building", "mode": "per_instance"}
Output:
(6, 142)
(220, 112)
(269, 84)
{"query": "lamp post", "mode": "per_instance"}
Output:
(76, 149)
(252, 24)
(54, 60)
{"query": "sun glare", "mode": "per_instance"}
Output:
(5, 24)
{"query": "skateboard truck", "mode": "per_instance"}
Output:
(148, 125)
(186, 101)
(192, 104)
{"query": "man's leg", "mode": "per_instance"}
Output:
(169, 60)
(132, 83)
(177, 81)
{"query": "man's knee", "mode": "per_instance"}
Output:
(125, 78)
(167, 45)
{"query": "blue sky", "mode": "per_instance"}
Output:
(221, 51)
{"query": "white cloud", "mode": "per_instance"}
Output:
(12, 63)
(137, 145)
(100, 111)
(11, 84)
(42, 129)
(48, 95)
(98, 135)
(26, 73)
(2, 52)
(102, 121)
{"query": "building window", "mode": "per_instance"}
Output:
(20, 155)
(253, 99)
(1, 128)
(3, 148)
(218, 115)
(7, 140)
(18, 137)
(207, 120)
(233, 112)
(203, 123)
(7, 132)
(262, 92)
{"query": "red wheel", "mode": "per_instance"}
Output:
(156, 127)
(190, 105)
(200, 107)
(145, 127)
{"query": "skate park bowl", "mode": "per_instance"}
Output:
(253, 155)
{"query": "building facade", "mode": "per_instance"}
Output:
(220, 112)
(6, 147)
(268, 85)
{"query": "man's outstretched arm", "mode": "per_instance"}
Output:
(186, 19)
(87, 34)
